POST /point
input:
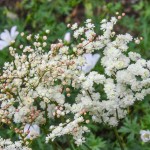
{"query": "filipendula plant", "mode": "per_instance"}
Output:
(37, 86)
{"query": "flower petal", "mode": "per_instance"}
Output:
(95, 59)
(67, 37)
(6, 36)
(88, 65)
(91, 61)
(3, 44)
(34, 130)
(13, 32)
(88, 57)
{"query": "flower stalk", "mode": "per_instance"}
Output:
(118, 138)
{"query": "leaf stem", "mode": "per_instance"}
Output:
(87, 146)
(118, 138)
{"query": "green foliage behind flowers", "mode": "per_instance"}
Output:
(38, 15)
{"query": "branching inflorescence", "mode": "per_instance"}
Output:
(37, 86)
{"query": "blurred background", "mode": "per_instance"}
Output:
(35, 16)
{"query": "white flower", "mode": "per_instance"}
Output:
(33, 130)
(7, 37)
(145, 135)
(67, 37)
(74, 26)
(91, 61)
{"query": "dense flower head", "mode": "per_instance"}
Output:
(6, 144)
(39, 86)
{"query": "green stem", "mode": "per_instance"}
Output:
(53, 146)
(87, 146)
(58, 146)
(118, 138)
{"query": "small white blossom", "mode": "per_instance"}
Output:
(145, 135)
(67, 37)
(6, 37)
(74, 26)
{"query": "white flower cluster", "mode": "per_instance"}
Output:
(7, 144)
(39, 86)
